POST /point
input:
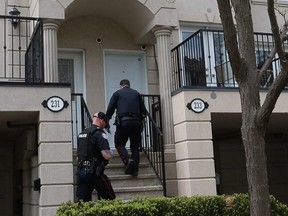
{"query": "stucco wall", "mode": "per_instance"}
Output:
(53, 165)
(205, 11)
(194, 135)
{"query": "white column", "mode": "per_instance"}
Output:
(163, 35)
(50, 52)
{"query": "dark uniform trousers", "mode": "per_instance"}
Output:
(129, 129)
(87, 182)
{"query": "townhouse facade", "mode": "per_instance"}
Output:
(57, 54)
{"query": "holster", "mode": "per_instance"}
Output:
(117, 120)
(89, 166)
(100, 168)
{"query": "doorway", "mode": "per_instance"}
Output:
(123, 65)
(6, 180)
(71, 70)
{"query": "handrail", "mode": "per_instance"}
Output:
(152, 137)
(82, 121)
(154, 123)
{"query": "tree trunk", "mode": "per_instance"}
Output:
(241, 51)
(253, 136)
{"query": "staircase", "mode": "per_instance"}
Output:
(146, 184)
(126, 187)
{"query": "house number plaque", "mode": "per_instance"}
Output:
(55, 104)
(197, 105)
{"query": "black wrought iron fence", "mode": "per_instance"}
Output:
(202, 60)
(34, 58)
(22, 49)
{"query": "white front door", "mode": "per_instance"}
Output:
(71, 70)
(123, 65)
(6, 192)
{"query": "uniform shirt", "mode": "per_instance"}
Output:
(126, 101)
(99, 138)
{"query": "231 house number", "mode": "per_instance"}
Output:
(55, 103)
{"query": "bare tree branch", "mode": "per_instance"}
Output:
(281, 80)
(230, 34)
(245, 34)
(275, 30)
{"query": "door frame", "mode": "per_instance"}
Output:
(76, 55)
(69, 53)
(144, 80)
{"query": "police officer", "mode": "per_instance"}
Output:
(93, 154)
(130, 112)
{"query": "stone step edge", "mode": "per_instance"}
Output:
(138, 189)
(140, 176)
(121, 165)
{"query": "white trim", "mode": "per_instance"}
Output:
(281, 3)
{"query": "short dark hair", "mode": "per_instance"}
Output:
(125, 82)
(104, 117)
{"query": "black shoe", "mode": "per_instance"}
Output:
(129, 167)
(135, 171)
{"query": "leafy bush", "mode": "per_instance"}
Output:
(233, 205)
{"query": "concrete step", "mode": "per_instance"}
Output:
(126, 187)
(118, 169)
(143, 180)
(117, 160)
(129, 193)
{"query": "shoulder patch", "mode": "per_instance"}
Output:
(104, 135)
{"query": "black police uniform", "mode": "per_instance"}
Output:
(130, 112)
(91, 165)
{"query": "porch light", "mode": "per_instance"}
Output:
(15, 13)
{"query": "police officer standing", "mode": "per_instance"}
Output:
(93, 154)
(130, 112)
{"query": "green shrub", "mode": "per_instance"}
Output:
(232, 205)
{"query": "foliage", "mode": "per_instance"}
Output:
(232, 205)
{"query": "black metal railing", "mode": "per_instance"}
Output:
(81, 117)
(152, 138)
(202, 60)
(22, 49)
(34, 58)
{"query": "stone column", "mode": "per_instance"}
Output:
(50, 52)
(163, 35)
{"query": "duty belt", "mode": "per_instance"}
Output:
(85, 163)
(129, 118)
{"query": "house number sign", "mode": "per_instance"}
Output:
(55, 104)
(197, 105)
